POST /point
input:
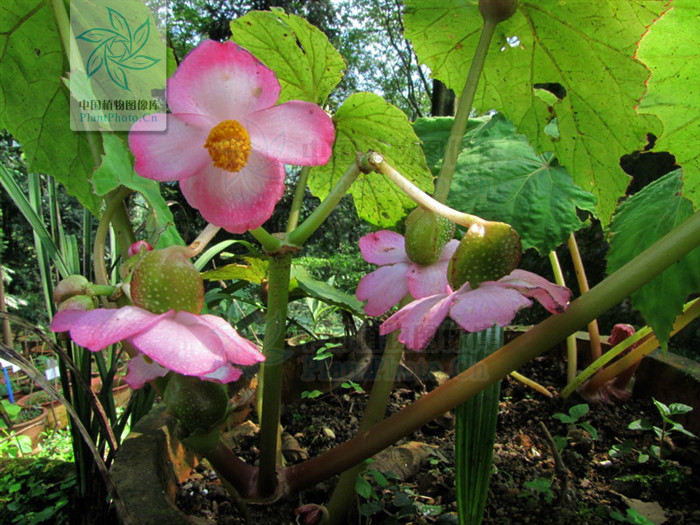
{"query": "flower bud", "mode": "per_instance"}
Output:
(166, 280)
(426, 233)
(70, 286)
(138, 247)
(198, 405)
(487, 252)
(77, 302)
(497, 10)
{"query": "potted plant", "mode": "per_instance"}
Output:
(28, 421)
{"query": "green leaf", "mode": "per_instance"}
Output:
(500, 177)
(671, 51)
(679, 408)
(578, 411)
(306, 63)
(254, 271)
(117, 170)
(325, 292)
(367, 122)
(34, 102)
(564, 418)
(363, 487)
(641, 221)
(585, 47)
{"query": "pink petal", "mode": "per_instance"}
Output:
(419, 320)
(553, 297)
(173, 154)
(97, 329)
(383, 288)
(430, 280)
(383, 247)
(182, 343)
(238, 349)
(478, 309)
(221, 80)
(239, 201)
(140, 371)
(298, 133)
(225, 374)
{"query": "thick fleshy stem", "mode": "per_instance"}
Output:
(114, 204)
(298, 199)
(271, 373)
(377, 162)
(466, 100)
(571, 348)
(344, 492)
(302, 232)
(512, 356)
(593, 332)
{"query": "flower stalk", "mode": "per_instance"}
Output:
(466, 101)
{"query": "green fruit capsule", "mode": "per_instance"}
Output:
(487, 252)
(196, 404)
(426, 233)
(497, 11)
(166, 280)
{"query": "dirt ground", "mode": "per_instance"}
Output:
(524, 487)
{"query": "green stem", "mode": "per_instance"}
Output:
(466, 101)
(571, 349)
(98, 252)
(512, 356)
(302, 232)
(344, 492)
(273, 348)
(269, 242)
(298, 199)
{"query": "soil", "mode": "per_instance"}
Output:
(665, 491)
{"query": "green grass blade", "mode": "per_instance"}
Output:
(475, 430)
(34, 219)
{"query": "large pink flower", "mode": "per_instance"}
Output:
(205, 346)
(226, 141)
(398, 275)
(475, 309)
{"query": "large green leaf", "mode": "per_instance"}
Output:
(34, 104)
(367, 122)
(117, 170)
(306, 63)
(586, 47)
(500, 177)
(641, 221)
(671, 50)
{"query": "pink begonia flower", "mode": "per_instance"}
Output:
(226, 141)
(205, 346)
(398, 275)
(493, 302)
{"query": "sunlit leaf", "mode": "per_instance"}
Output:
(671, 50)
(500, 177)
(306, 63)
(141, 36)
(119, 23)
(254, 271)
(325, 292)
(367, 122)
(34, 102)
(586, 48)
(642, 220)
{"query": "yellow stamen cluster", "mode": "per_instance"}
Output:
(229, 145)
